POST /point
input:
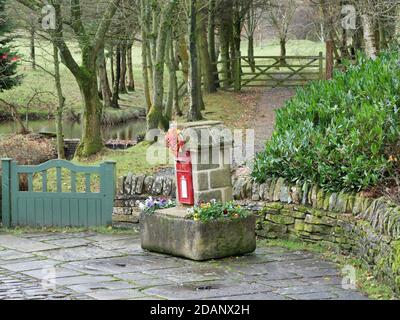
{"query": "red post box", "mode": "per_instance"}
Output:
(184, 178)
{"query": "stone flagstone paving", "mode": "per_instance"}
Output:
(87, 265)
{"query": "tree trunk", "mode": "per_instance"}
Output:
(61, 103)
(104, 83)
(205, 60)
(155, 116)
(250, 53)
(131, 79)
(397, 27)
(91, 141)
(225, 56)
(176, 106)
(184, 58)
(369, 36)
(122, 80)
(194, 113)
(212, 42)
(282, 43)
(145, 55)
(32, 46)
(116, 89)
(171, 89)
(112, 65)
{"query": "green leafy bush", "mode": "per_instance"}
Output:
(341, 134)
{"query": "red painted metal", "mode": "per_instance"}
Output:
(184, 178)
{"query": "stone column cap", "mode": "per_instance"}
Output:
(206, 134)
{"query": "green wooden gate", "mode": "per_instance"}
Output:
(270, 71)
(46, 204)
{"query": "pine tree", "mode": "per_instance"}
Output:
(8, 58)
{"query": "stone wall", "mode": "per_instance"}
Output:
(365, 227)
(132, 188)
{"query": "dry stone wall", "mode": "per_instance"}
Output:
(132, 188)
(365, 227)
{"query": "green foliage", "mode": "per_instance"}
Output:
(217, 210)
(8, 58)
(340, 134)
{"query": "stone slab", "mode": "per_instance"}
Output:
(13, 254)
(69, 242)
(24, 245)
(79, 253)
(125, 294)
(96, 286)
(59, 272)
(30, 265)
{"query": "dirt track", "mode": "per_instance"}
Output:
(264, 120)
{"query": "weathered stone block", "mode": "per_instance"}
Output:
(133, 184)
(293, 213)
(208, 196)
(320, 220)
(285, 194)
(158, 185)
(200, 181)
(306, 191)
(277, 189)
(122, 211)
(275, 228)
(148, 184)
(208, 159)
(140, 184)
(255, 192)
(128, 183)
(167, 187)
(299, 225)
(227, 194)
(220, 178)
(167, 231)
(320, 199)
(280, 219)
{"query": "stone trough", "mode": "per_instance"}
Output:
(170, 232)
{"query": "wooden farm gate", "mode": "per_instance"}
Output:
(75, 196)
(270, 71)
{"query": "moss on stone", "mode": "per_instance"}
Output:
(280, 219)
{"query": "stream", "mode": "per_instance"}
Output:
(73, 130)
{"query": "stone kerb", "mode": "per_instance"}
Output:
(210, 145)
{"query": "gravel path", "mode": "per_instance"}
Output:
(264, 120)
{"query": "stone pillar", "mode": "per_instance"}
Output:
(210, 145)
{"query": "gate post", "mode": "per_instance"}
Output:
(321, 66)
(108, 189)
(6, 192)
(238, 71)
(329, 60)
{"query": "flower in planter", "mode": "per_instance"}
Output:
(214, 210)
(150, 205)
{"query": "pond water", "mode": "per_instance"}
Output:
(72, 130)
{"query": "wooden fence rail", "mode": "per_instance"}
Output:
(270, 71)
